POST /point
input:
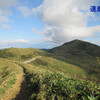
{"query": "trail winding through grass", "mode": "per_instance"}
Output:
(15, 89)
(22, 95)
(28, 61)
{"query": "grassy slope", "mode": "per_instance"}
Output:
(81, 54)
(47, 85)
(80, 59)
(9, 72)
(52, 64)
(43, 84)
(20, 54)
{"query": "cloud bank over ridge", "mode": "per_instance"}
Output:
(66, 19)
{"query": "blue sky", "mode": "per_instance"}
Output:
(47, 23)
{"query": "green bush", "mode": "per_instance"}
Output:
(56, 86)
(40, 62)
(23, 57)
(62, 87)
(5, 54)
(26, 56)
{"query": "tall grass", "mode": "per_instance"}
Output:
(8, 72)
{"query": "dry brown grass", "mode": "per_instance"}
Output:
(14, 91)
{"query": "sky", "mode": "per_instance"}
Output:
(47, 23)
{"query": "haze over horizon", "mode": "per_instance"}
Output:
(47, 23)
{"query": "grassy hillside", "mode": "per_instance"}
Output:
(80, 53)
(45, 78)
(52, 64)
(81, 59)
(9, 74)
(20, 54)
(48, 85)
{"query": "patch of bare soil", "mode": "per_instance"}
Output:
(23, 93)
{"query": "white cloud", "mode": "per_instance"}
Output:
(5, 4)
(3, 17)
(34, 30)
(96, 42)
(6, 26)
(17, 41)
(65, 19)
(25, 11)
(5, 9)
(49, 46)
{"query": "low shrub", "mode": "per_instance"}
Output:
(56, 86)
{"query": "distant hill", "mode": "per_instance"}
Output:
(81, 53)
(77, 46)
(45, 49)
(20, 54)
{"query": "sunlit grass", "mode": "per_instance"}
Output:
(52, 64)
(8, 72)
